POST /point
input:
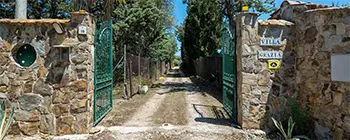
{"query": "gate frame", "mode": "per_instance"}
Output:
(95, 119)
(236, 100)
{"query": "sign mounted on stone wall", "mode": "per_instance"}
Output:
(274, 64)
(270, 55)
(270, 41)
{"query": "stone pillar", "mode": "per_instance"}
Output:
(248, 67)
(87, 44)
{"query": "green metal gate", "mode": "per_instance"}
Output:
(103, 70)
(229, 69)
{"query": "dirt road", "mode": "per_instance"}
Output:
(178, 109)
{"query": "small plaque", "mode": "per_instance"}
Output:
(270, 42)
(82, 30)
(270, 55)
(274, 64)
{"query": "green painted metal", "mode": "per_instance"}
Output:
(26, 55)
(229, 69)
(103, 70)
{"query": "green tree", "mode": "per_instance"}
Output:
(144, 26)
(201, 31)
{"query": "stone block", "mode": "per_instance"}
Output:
(64, 125)
(3, 89)
(80, 95)
(246, 89)
(80, 125)
(346, 20)
(78, 106)
(310, 35)
(30, 101)
(337, 99)
(60, 109)
(4, 80)
(249, 79)
(338, 134)
(27, 116)
(264, 98)
(14, 92)
(80, 85)
(79, 58)
(28, 87)
(6, 46)
(42, 71)
(48, 124)
(346, 123)
(322, 132)
(264, 78)
(250, 64)
(340, 30)
(14, 129)
(4, 59)
(254, 101)
(25, 75)
(42, 88)
(256, 92)
(61, 97)
(29, 128)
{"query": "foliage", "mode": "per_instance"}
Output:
(338, 5)
(288, 135)
(299, 112)
(38, 9)
(177, 61)
(146, 82)
(200, 33)
(144, 26)
(230, 7)
(3, 114)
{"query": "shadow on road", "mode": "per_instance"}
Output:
(218, 116)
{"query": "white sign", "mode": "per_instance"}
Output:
(82, 30)
(270, 55)
(340, 67)
(270, 42)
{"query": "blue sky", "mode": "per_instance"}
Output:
(180, 11)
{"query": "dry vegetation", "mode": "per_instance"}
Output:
(126, 109)
(172, 110)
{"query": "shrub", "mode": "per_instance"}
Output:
(299, 112)
(288, 135)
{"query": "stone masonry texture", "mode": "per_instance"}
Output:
(54, 95)
(309, 40)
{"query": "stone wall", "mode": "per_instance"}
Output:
(320, 34)
(308, 44)
(54, 95)
(258, 86)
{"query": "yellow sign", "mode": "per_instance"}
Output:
(245, 8)
(274, 64)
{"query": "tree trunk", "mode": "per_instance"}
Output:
(21, 9)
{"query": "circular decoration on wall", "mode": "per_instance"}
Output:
(25, 55)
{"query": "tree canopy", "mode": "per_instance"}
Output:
(144, 26)
(200, 33)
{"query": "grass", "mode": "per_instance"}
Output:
(125, 110)
(173, 110)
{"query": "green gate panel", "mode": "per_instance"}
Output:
(103, 71)
(229, 70)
